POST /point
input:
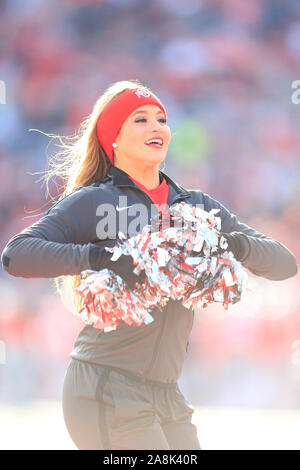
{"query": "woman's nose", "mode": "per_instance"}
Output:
(155, 124)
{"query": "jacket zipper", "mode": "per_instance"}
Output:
(164, 321)
(152, 202)
(181, 196)
(156, 348)
(192, 327)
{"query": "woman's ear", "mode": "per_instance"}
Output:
(117, 139)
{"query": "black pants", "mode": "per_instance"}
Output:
(106, 408)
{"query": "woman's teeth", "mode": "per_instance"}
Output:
(154, 143)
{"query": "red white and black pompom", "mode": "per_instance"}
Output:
(179, 253)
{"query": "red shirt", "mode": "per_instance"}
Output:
(159, 195)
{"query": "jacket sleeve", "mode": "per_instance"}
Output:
(56, 245)
(264, 256)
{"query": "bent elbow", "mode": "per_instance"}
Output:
(285, 270)
(5, 261)
(13, 261)
(293, 268)
(279, 270)
(7, 266)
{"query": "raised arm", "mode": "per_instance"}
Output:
(259, 253)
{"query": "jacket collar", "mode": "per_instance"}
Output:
(121, 178)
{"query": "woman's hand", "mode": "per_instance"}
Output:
(123, 266)
(238, 244)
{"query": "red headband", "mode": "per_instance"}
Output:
(116, 112)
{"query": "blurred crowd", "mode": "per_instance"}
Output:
(224, 70)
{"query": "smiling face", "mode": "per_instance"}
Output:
(143, 124)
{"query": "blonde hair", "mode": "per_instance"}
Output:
(81, 161)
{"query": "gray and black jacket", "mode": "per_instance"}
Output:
(61, 243)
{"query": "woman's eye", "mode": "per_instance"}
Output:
(144, 119)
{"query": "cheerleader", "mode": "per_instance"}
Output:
(121, 387)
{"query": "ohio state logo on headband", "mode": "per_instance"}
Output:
(141, 93)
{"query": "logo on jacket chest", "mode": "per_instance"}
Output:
(130, 219)
(123, 217)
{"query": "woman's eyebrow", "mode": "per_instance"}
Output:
(145, 111)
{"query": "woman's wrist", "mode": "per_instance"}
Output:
(98, 257)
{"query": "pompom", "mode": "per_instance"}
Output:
(180, 253)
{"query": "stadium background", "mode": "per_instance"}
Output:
(224, 70)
